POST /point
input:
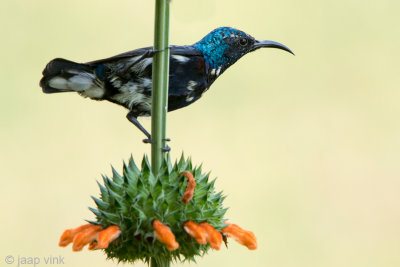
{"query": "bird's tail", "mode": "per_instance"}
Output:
(61, 75)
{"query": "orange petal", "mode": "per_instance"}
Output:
(244, 237)
(214, 238)
(69, 234)
(190, 186)
(92, 245)
(107, 236)
(196, 232)
(164, 235)
(86, 237)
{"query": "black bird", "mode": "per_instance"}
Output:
(126, 79)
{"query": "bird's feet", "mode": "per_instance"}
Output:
(148, 140)
(164, 149)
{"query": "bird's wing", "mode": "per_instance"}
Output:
(123, 56)
(174, 50)
(186, 50)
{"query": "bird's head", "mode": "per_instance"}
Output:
(224, 46)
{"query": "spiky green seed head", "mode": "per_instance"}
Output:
(136, 198)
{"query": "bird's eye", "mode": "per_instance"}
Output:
(243, 41)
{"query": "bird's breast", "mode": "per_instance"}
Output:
(188, 81)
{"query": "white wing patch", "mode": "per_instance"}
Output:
(191, 85)
(116, 82)
(141, 65)
(145, 82)
(218, 71)
(131, 94)
(181, 59)
(93, 92)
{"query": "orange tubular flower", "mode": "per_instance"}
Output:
(93, 245)
(164, 235)
(190, 186)
(85, 237)
(214, 238)
(196, 232)
(68, 236)
(106, 237)
(244, 237)
(89, 234)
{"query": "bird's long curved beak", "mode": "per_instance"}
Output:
(266, 43)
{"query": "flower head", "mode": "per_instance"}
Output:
(140, 216)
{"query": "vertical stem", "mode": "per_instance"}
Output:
(160, 83)
(166, 76)
(160, 95)
(159, 263)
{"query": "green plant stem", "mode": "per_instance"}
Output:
(166, 56)
(160, 83)
(159, 263)
(160, 94)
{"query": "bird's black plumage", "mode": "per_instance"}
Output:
(125, 79)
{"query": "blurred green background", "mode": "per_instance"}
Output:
(307, 148)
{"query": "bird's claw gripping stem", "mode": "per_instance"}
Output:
(132, 118)
(164, 149)
(148, 140)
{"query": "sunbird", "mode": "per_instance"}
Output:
(126, 79)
